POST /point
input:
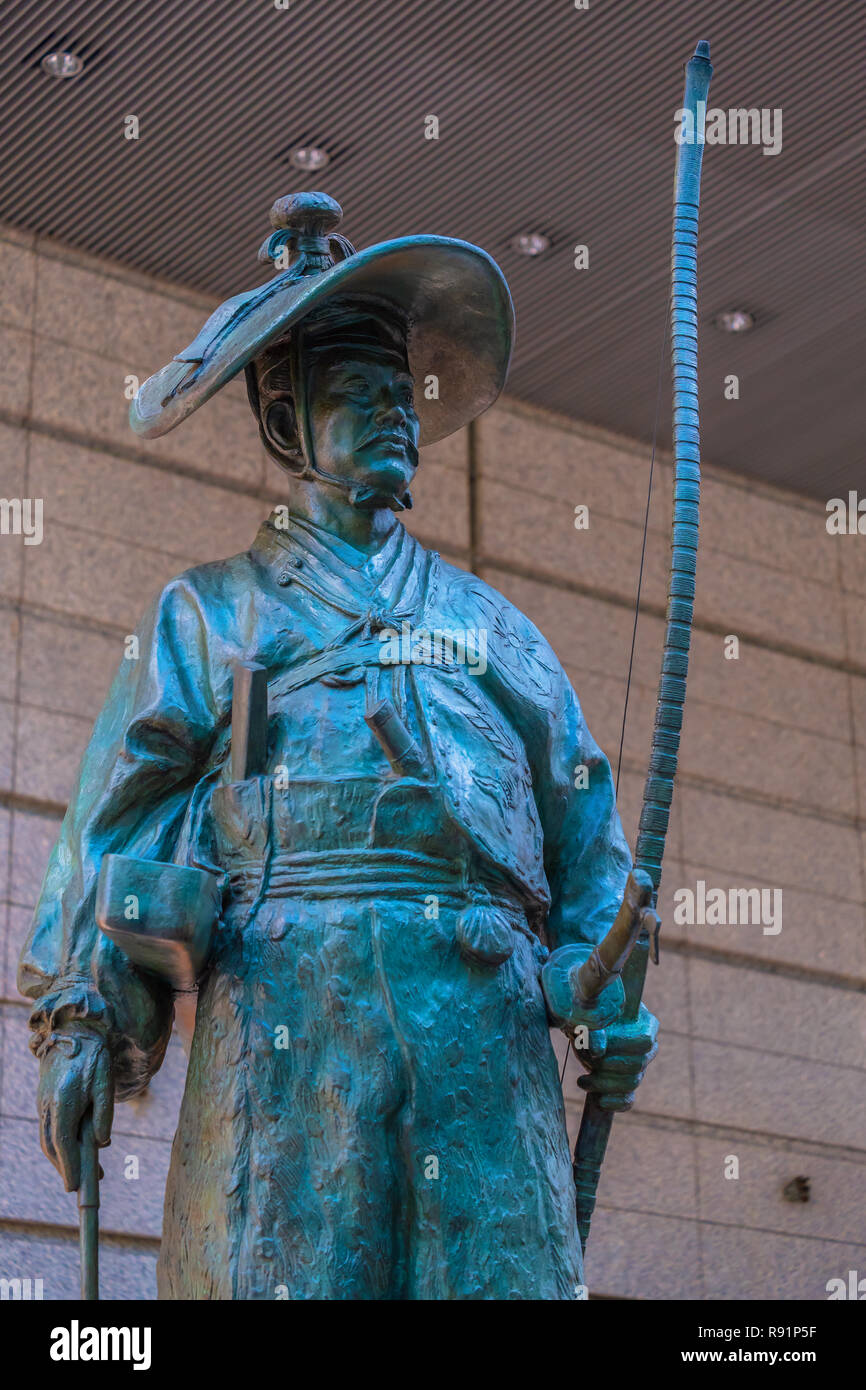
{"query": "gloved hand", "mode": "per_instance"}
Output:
(615, 1053)
(617, 1058)
(74, 1074)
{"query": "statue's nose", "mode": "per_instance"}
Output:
(392, 413)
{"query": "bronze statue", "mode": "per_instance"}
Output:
(337, 792)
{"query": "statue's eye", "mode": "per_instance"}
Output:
(356, 386)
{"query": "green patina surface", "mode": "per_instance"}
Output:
(397, 846)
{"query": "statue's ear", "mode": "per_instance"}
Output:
(278, 424)
(279, 428)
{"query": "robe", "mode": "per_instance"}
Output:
(372, 1107)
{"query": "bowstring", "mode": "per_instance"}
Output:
(639, 580)
(643, 542)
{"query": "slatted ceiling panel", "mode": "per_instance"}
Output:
(551, 119)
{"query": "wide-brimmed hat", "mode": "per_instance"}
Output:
(451, 294)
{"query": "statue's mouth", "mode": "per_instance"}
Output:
(390, 437)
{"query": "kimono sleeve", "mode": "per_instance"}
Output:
(586, 856)
(133, 787)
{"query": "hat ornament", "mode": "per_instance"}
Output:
(305, 223)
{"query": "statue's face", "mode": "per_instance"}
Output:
(362, 419)
(363, 422)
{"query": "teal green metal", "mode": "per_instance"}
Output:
(597, 1116)
(335, 792)
(88, 1211)
(160, 915)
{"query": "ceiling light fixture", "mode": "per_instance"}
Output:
(62, 64)
(310, 158)
(530, 243)
(734, 321)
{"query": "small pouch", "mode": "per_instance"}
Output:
(483, 932)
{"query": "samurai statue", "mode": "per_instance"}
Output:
(392, 836)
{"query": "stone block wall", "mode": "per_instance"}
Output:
(763, 1045)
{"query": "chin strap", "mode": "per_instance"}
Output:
(358, 494)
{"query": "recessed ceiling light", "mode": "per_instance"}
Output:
(310, 158)
(734, 321)
(530, 243)
(62, 64)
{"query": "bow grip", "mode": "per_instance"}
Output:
(613, 951)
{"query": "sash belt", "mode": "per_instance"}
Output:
(486, 919)
(349, 872)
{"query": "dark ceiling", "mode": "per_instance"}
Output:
(552, 119)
